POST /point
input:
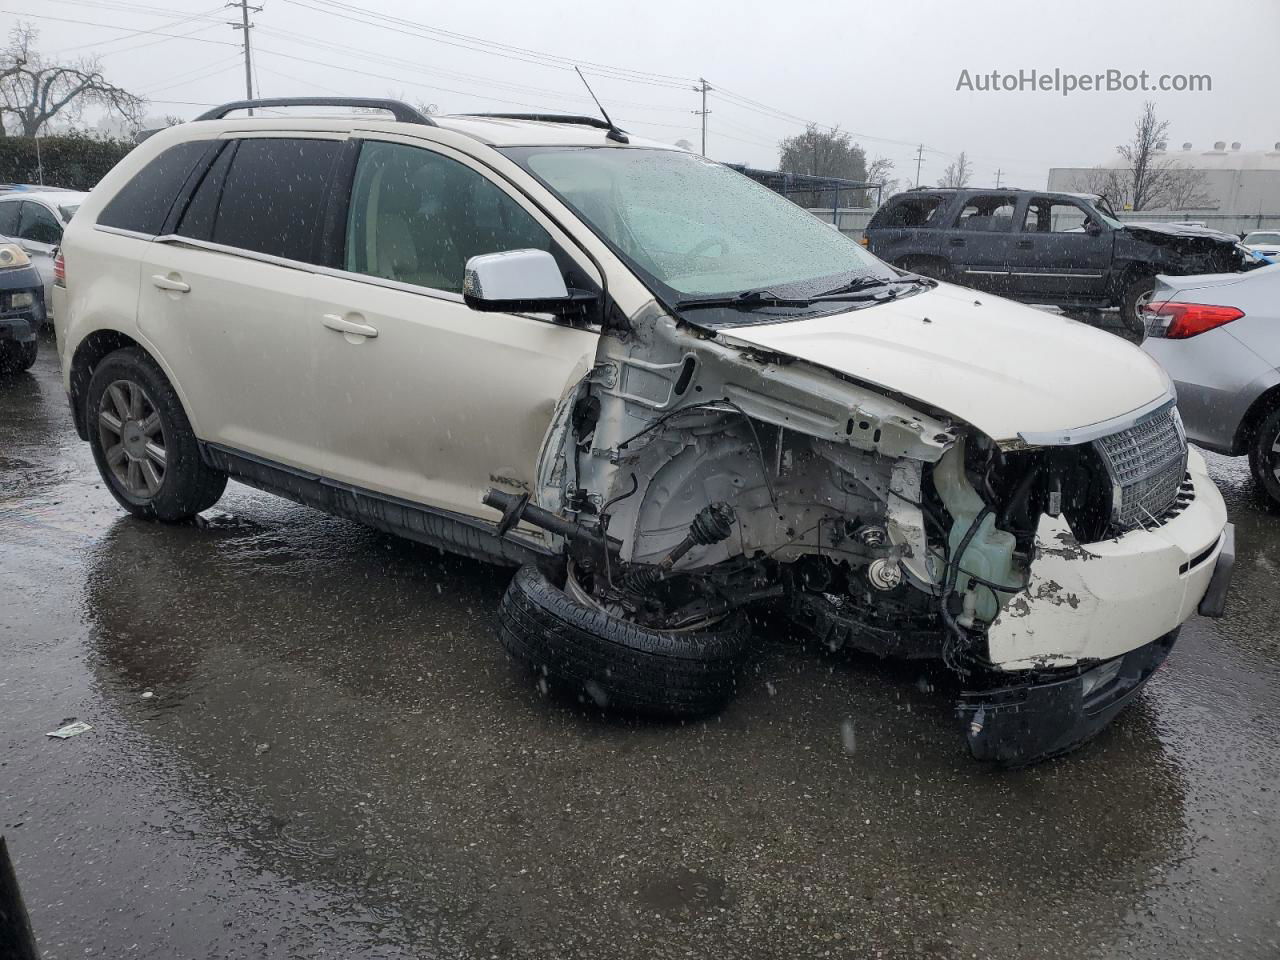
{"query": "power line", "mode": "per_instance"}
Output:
(110, 26)
(477, 44)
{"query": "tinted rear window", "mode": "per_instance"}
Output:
(144, 202)
(274, 195)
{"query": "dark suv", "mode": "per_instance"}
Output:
(1065, 249)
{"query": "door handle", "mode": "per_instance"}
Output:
(170, 283)
(1025, 244)
(956, 241)
(353, 327)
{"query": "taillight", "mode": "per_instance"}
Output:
(59, 270)
(1178, 321)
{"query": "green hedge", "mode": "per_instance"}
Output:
(74, 162)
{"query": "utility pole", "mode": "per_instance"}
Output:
(998, 173)
(919, 160)
(245, 25)
(702, 88)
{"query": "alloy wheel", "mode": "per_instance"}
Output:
(132, 438)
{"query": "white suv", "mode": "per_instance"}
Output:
(668, 394)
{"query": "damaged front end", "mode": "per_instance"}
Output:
(688, 476)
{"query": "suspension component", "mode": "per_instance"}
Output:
(713, 524)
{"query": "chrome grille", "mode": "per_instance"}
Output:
(1147, 463)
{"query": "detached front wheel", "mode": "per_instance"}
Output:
(621, 665)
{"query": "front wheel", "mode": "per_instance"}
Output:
(16, 357)
(1264, 456)
(143, 443)
(618, 664)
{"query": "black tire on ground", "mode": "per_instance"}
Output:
(620, 665)
(1135, 295)
(188, 484)
(1264, 457)
(16, 357)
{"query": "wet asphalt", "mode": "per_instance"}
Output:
(307, 743)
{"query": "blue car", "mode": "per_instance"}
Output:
(21, 309)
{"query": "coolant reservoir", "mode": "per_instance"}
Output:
(990, 552)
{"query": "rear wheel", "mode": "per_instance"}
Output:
(16, 357)
(1264, 456)
(143, 443)
(618, 664)
(1137, 296)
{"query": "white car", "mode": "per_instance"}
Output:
(668, 394)
(1264, 242)
(35, 218)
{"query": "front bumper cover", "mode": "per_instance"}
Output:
(1040, 717)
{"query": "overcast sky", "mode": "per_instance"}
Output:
(886, 72)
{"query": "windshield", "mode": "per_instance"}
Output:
(1262, 238)
(1106, 214)
(68, 211)
(695, 228)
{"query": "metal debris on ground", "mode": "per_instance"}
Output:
(70, 730)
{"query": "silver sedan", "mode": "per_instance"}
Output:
(1218, 336)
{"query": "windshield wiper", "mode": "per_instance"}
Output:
(747, 299)
(763, 297)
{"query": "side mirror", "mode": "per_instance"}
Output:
(520, 281)
(1093, 228)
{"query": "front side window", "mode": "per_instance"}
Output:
(1047, 216)
(38, 224)
(695, 228)
(417, 217)
(273, 196)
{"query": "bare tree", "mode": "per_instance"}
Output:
(880, 170)
(32, 91)
(1150, 178)
(958, 173)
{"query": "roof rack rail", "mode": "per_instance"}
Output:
(399, 110)
(545, 118)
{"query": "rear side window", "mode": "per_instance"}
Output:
(9, 218)
(993, 213)
(144, 202)
(273, 196)
(912, 212)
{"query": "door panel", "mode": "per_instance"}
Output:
(979, 243)
(422, 397)
(238, 341)
(1054, 256)
(224, 300)
(39, 233)
(442, 403)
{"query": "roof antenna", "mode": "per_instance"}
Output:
(614, 134)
